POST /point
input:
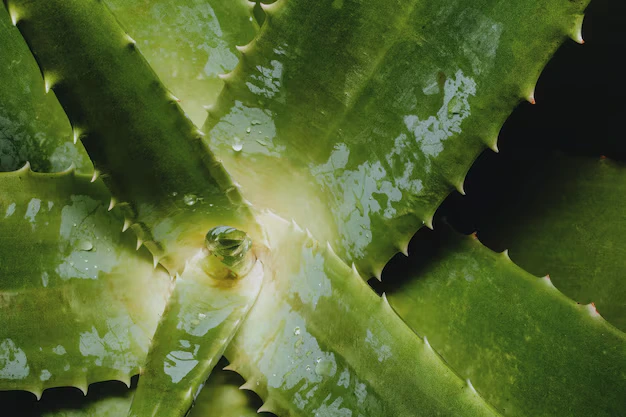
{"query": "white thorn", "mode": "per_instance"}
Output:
(296, 226)
(405, 249)
(95, 175)
(131, 40)
(127, 224)
(385, 300)
(37, 394)
(139, 243)
(173, 97)
(505, 253)
(355, 271)
(426, 342)
(329, 247)
(26, 167)
(241, 48)
(591, 307)
(548, 281)
(531, 97)
(494, 147)
(223, 77)
(14, 19)
(112, 204)
(459, 187)
(469, 384)
(578, 36)
(155, 261)
(46, 85)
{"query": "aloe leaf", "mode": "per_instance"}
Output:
(364, 115)
(208, 304)
(527, 348)
(33, 126)
(566, 220)
(132, 127)
(69, 280)
(220, 396)
(319, 341)
(189, 43)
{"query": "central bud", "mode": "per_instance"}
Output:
(228, 253)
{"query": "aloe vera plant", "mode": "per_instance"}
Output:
(198, 191)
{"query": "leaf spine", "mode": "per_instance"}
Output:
(471, 386)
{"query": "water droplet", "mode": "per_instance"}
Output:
(248, 130)
(84, 245)
(74, 224)
(308, 368)
(190, 199)
(201, 315)
(318, 360)
(255, 122)
(324, 368)
(296, 331)
(237, 145)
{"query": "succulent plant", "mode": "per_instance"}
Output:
(205, 254)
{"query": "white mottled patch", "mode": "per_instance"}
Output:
(383, 351)
(13, 362)
(333, 409)
(113, 350)
(432, 132)
(34, 205)
(311, 282)
(179, 363)
(354, 191)
(267, 81)
(59, 350)
(45, 375)
(10, 210)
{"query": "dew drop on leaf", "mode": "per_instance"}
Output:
(190, 199)
(84, 245)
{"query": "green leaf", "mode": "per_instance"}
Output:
(525, 347)
(567, 219)
(318, 341)
(132, 127)
(33, 126)
(201, 317)
(70, 313)
(364, 115)
(220, 396)
(189, 43)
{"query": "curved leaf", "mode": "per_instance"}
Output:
(567, 219)
(78, 303)
(132, 128)
(363, 115)
(526, 347)
(318, 341)
(201, 318)
(189, 43)
(220, 396)
(33, 127)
